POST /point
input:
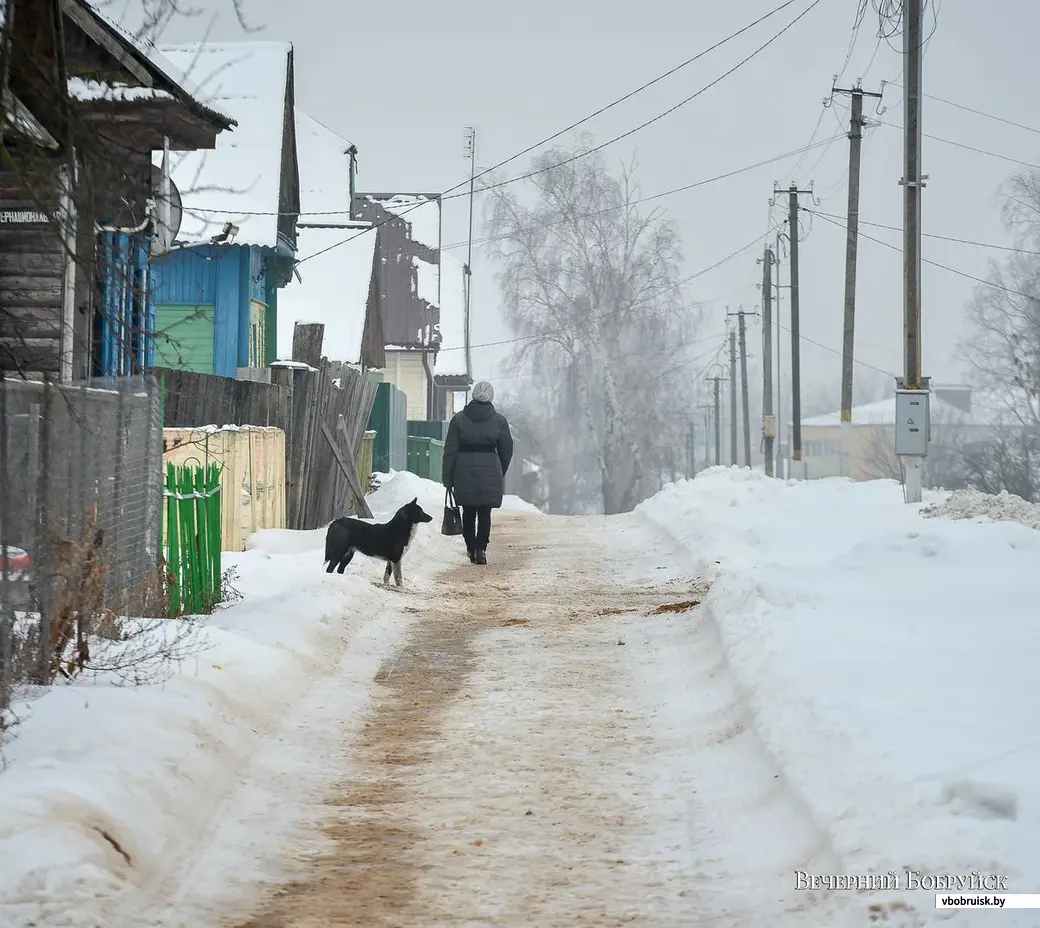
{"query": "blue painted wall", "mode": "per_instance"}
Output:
(225, 277)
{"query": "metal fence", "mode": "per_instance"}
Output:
(80, 519)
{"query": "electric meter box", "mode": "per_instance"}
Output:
(769, 426)
(913, 425)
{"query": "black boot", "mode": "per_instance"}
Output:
(472, 554)
(480, 557)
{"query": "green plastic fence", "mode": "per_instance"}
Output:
(426, 457)
(389, 420)
(193, 536)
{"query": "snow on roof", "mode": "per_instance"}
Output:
(883, 412)
(248, 81)
(428, 283)
(324, 169)
(90, 90)
(157, 59)
(451, 359)
(422, 213)
(334, 290)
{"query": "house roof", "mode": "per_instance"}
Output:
(240, 180)
(162, 79)
(324, 171)
(451, 358)
(883, 412)
(333, 289)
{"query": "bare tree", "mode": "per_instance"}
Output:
(591, 285)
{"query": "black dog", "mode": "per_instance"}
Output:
(386, 541)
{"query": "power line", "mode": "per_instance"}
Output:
(448, 195)
(975, 112)
(942, 238)
(978, 151)
(679, 283)
(657, 196)
(945, 267)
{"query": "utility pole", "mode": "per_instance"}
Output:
(768, 419)
(732, 397)
(796, 366)
(351, 153)
(856, 126)
(707, 432)
(471, 153)
(742, 335)
(718, 419)
(780, 469)
(912, 393)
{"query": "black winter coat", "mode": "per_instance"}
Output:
(477, 452)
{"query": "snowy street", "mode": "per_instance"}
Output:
(653, 719)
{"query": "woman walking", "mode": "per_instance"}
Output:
(477, 452)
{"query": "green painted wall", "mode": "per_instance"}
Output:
(186, 339)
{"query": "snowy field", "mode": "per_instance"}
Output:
(889, 653)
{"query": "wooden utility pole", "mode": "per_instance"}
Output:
(768, 419)
(796, 366)
(780, 468)
(718, 419)
(912, 413)
(732, 397)
(742, 336)
(856, 126)
(707, 432)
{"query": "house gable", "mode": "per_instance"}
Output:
(289, 177)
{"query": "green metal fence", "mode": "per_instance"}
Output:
(389, 420)
(192, 498)
(434, 428)
(426, 457)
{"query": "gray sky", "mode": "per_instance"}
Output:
(401, 80)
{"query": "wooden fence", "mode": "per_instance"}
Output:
(304, 401)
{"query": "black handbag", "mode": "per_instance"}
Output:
(451, 524)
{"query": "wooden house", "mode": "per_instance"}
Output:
(85, 106)
(216, 291)
(334, 280)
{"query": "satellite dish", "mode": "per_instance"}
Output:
(165, 233)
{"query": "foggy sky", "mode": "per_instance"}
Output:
(401, 79)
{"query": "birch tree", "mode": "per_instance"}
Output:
(591, 289)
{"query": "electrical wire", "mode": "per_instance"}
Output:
(972, 148)
(655, 196)
(975, 112)
(942, 238)
(857, 23)
(448, 195)
(945, 267)
(612, 313)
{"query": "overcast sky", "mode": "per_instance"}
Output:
(402, 79)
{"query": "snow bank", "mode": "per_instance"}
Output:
(103, 784)
(401, 487)
(971, 504)
(890, 661)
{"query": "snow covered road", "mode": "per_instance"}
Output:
(559, 741)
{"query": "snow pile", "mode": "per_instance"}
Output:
(104, 785)
(971, 504)
(890, 663)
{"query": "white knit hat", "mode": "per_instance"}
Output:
(483, 392)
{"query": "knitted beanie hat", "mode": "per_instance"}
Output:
(483, 392)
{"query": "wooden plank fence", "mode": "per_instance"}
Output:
(301, 398)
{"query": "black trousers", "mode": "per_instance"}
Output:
(476, 526)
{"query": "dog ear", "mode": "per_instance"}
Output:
(414, 501)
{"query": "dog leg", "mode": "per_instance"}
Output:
(386, 573)
(346, 559)
(397, 573)
(331, 567)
